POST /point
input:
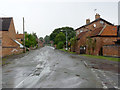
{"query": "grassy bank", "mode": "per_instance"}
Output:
(67, 51)
(102, 57)
(93, 56)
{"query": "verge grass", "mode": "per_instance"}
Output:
(103, 57)
(93, 56)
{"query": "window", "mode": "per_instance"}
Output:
(113, 28)
(81, 30)
(101, 22)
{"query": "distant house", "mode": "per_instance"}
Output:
(19, 37)
(8, 40)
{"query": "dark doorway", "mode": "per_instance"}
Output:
(82, 50)
(101, 51)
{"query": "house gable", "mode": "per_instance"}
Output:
(12, 32)
(100, 19)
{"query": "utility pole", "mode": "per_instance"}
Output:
(66, 40)
(23, 36)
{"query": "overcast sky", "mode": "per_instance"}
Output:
(43, 16)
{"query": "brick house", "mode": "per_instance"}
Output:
(98, 22)
(8, 40)
(101, 37)
(85, 31)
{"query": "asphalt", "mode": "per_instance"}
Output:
(51, 68)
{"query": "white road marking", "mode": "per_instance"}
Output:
(111, 81)
(104, 86)
(85, 64)
(21, 82)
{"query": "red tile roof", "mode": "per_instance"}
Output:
(109, 31)
(81, 34)
(104, 31)
(96, 31)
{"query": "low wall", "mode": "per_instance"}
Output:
(111, 50)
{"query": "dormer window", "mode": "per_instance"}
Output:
(101, 22)
(77, 32)
(81, 30)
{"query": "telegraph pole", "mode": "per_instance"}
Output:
(66, 40)
(23, 36)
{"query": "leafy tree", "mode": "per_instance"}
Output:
(70, 33)
(41, 39)
(30, 40)
(91, 45)
(60, 45)
(73, 42)
(60, 38)
(47, 39)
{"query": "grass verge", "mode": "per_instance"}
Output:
(93, 56)
(67, 51)
(103, 57)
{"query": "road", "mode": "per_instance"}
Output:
(50, 68)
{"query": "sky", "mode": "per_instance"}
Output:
(43, 16)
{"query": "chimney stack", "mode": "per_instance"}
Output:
(17, 32)
(87, 21)
(97, 16)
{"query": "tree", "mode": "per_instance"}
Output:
(91, 45)
(47, 39)
(41, 39)
(60, 45)
(70, 33)
(60, 38)
(73, 42)
(30, 40)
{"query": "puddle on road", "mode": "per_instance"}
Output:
(73, 56)
(8, 71)
(77, 75)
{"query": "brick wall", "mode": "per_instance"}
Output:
(10, 51)
(111, 50)
(100, 42)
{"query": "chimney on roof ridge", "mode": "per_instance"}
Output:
(17, 32)
(97, 16)
(87, 21)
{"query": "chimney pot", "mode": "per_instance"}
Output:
(87, 21)
(97, 16)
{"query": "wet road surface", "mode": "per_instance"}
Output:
(50, 68)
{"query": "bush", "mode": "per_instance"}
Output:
(60, 45)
